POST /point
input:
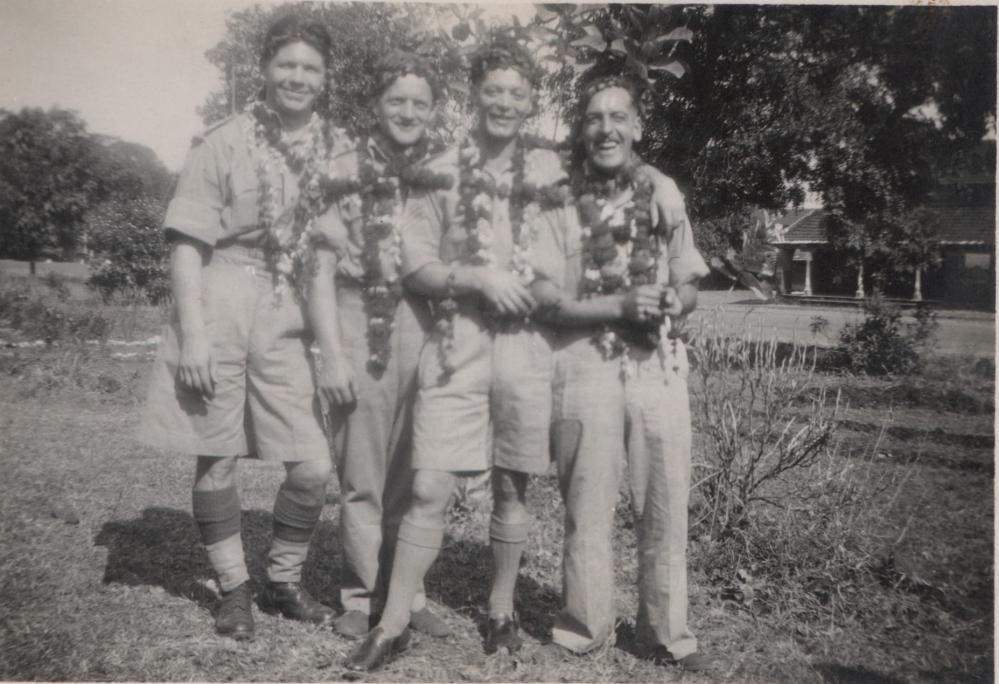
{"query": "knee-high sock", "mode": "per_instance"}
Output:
(507, 541)
(295, 516)
(219, 520)
(416, 550)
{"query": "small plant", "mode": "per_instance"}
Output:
(763, 419)
(818, 325)
(34, 318)
(57, 284)
(880, 344)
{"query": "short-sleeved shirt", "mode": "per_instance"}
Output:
(679, 260)
(342, 227)
(434, 233)
(217, 200)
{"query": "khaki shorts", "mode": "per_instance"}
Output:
(265, 403)
(498, 394)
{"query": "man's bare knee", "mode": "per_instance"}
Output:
(308, 476)
(214, 473)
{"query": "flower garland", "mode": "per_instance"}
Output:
(285, 240)
(379, 189)
(532, 189)
(620, 247)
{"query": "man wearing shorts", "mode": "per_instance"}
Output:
(233, 376)
(484, 375)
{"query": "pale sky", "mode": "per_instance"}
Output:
(135, 69)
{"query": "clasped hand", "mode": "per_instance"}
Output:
(505, 292)
(651, 304)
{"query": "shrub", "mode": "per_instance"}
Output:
(782, 521)
(880, 343)
(57, 284)
(762, 417)
(131, 255)
(35, 318)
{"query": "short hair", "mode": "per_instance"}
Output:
(596, 80)
(291, 28)
(599, 82)
(501, 52)
(399, 63)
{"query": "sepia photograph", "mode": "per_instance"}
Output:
(482, 342)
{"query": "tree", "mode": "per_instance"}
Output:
(48, 180)
(132, 171)
(126, 234)
(760, 102)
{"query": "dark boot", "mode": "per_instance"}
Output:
(503, 632)
(235, 616)
(293, 602)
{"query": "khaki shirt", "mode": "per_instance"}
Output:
(217, 200)
(434, 233)
(679, 260)
(342, 227)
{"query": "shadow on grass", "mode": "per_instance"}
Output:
(461, 579)
(162, 548)
(843, 674)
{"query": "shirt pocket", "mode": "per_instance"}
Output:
(244, 207)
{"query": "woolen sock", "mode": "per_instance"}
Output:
(389, 537)
(285, 560)
(228, 562)
(219, 519)
(295, 516)
(508, 541)
(416, 550)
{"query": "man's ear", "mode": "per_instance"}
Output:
(637, 137)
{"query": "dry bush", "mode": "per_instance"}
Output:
(784, 521)
(763, 418)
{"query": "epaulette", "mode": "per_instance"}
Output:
(200, 137)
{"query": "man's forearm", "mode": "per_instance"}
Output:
(438, 280)
(321, 306)
(559, 309)
(186, 261)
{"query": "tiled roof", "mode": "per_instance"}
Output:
(958, 225)
(803, 226)
(967, 225)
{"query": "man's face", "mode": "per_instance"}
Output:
(404, 109)
(504, 99)
(610, 127)
(294, 78)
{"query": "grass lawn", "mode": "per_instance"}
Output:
(102, 577)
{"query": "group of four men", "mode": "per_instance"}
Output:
(474, 307)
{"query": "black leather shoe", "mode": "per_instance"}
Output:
(503, 632)
(235, 616)
(376, 650)
(293, 602)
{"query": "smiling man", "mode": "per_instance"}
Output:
(626, 278)
(233, 375)
(371, 339)
(484, 379)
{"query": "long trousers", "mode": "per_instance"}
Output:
(373, 447)
(600, 417)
